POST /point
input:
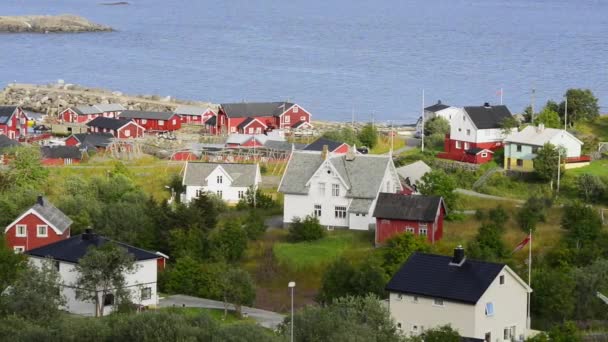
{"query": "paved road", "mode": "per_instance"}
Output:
(264, 318)
(480, 195)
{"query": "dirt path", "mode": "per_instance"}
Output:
(480, 195)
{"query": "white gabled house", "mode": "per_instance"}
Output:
(340, 190)
(65, 254)
(439, 109)
(227, 181)
(484, 301)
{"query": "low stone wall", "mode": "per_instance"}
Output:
(449, 165)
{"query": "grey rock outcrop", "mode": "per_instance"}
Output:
(65, 23)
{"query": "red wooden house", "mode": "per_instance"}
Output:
(416, 214)
(332, 146)
(90, 141)
(154, 121)
(83, 114)
(60, 155)
(122, 129)
(194, 114)
(13, 122)
(273, 115)
(251, 126)
(38, 226)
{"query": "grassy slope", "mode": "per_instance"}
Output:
(598, 128)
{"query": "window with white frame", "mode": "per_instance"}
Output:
(250, 130)
(146, 293)
(42, 230)
(21, 230)
(233, 129)
(484, 155)
(458, 145)
(467, 145)
(144, 121)
(317, 210)
(127, 133)
(302, 118)
(489, 309)
(19, 249)
(219, 179)
(409, 230)
(219, 193)
(423, 229)
(322, 189)
(438, 302)
(296, 109)
(241, 194)
(502, 279)
(335, 190)
(173, 121)
(286, 118)
(258, 130)
(199, 192)
(340, 212)
(161, 122)
(68, 161)
(468, 132)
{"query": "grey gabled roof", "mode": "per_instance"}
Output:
(190, 110)
(414, 171)
(51, 214)
(360, 206)
(110, 107)
(60, 152)
(140, 114)
(487, 117)
(85, 110)
(243, 175)
(318, 144)
(363, 175)
(436, 107)
(94, 140)
(255, 109)
(407, 208)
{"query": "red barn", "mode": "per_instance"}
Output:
(194, 115)
(332, 146)
(271, 114)
(251, 126)
(416, 214)
(83, 114)
(38, 226)
(122, 129)
(154, 121)
(60, 155)
(13, 122)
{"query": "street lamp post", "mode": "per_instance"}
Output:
(292, 285)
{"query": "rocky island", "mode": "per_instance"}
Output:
(64, 23)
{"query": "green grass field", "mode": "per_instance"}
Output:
(597, 167)
(216, 314)
(384, 144)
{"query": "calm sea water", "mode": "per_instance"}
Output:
(331, 56)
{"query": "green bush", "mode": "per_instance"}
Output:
(308, 229)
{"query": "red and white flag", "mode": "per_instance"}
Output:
(523, 243)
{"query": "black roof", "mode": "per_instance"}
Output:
(408, 208)
(436, 107)
(318, 144)
(245, 109)
(6, 112)
(245, 123)
(6, 142)
(94, 140)
(140, 114)
(432, 275)
(212, 121)
(74, 248)
(63, 152)
(486, 116)
(107, 123)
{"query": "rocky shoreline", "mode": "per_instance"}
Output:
(64, 23)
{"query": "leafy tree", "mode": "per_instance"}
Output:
(238, 289)
(439, 183)
(25, 168)
(398, 250)
(532, 212)
(203, 213)
(308, 229)
(254, 225)
(344, 278)
(176, 186)
(190, 242)
(545, 163)
(507, 125)
(563, 332)
(528, 113)
(589, 280)
(552, 298)
(346, 319)
(582, 105)
(498, 216)
(229, 242)
(260, 200)
(101, 272)
(440, 334)
(437, 125)
(36, 294)
(549, 118)
(552, 106)
(583, 224)
(191, 277)
(590, 187)
(488, 244)
(368, 135)
(10, 264)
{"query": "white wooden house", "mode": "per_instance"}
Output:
(340, 190)
(227, 181)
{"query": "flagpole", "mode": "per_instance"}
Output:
(501, 96)
(422, 135)
(529, 279)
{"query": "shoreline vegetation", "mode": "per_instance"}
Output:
(64, 23)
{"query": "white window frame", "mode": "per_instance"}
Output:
(489, 310)
(467, 145)
(317, 210)
(241, 194)
(484, 155)
(409, 230)
(148, 291)
(67, 161)
(322, 188)
(198, 192)
(17, 234)
(423, 230)
(173, 121)
(219, 193)
(302, 118)
(335, 190)
(161, 122)
(501, 279)
(144, 121)
(258, 130)
(19, 249)
(468, 132)
(340, 212)
(438, 302)
(232, 129)
(458, 145)
(250, 130)
(287, 119)
(46, 230)
(296, 109)
(219, 179)
(127, 133)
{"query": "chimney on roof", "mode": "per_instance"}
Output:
(438, 101)
(88, 234)
(350, 154)
(325, 152)
(40, 200)
(487, 105)
(459, 258)
(540, 127)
